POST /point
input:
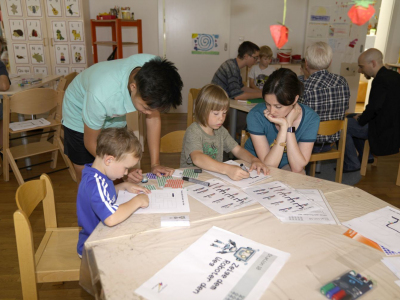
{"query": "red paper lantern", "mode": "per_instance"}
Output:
(361, 12)
(280, 35)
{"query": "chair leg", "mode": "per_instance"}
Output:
(375, 163)
(1, 166)
(339, 171)
(364, 161)
(54, 156)
(312, 168)
(6, 168)
(14, 167)
(68, 163)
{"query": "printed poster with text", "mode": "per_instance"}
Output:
(219, 265)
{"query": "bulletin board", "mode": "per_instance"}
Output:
(327, 21)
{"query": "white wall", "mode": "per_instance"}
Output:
(146, 10)
(252, 18)
(393, 45)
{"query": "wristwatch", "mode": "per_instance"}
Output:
(291, 129)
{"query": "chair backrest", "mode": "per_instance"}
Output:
(192, 97)
(244, 137)
(35, 101)
(172, 142)
(65, 81)
(331, 127)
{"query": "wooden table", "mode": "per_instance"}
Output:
(119, 259)
(236, 105)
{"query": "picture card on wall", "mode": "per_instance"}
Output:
(78, 54)
(17, 30)
(34, 30)
(59, 31)
(34, 8)
(21, 54)
(23, 70)
(37, 54)
(14, 8)
(62, 71)
(76, 32)
(54, 8)
(77, 70)
(62, 54)
(72, 8)
(40, 71)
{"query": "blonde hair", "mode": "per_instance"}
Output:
(118, 142)
(211, 97)
(265, 51)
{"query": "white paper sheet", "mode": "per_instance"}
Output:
(160, 201)
(28, 124)
(324, 216)
(393, 263)
(284, 202)
(219, 265)
(254, 177)
(382, 226)
(219, 196)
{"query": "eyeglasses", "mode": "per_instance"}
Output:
(255, 57)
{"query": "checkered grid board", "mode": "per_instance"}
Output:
(190, 173)
(150, 187)
(163, 180)
(174, 183)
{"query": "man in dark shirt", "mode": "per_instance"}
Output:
(380, 122)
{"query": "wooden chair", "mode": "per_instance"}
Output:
(192, 96)
(244, 137)
(65, 81)
(364, 162)
(33, 102)
(56, 259)
(172, 142)
(329, 128)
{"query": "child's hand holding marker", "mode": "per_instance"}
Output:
(236, 172)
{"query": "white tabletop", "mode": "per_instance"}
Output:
(15, 88)
(123, 257)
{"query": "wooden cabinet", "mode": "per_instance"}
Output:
(116, 33)
(49, 37)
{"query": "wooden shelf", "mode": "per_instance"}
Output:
(32, 149)
(116, 31)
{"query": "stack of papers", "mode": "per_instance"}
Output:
(29, 124)
(290, 205)
(381, 226)
(393, 263)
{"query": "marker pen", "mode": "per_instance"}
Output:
(196, 181)
(243, 167)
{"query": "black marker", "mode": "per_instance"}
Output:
(196, 181)
(243, 167)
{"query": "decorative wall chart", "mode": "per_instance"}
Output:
(203, 43)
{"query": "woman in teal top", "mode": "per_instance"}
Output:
(282, 131)
(103, 94)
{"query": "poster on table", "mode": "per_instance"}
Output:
(54, 8)
(76, 32)
(14, 8)
(72, 8)
(62, 71)
(78, 54)
(37, 54)
(34, 8)
(219, 265)
(59, 31)
(40, 71)
(62, 54)
(203, 43)
(17, 30)
(34, 30)
(21, 54)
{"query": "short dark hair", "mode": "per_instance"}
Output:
(247, 48)
(159, 84)
(118, 142)
(284, 84)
